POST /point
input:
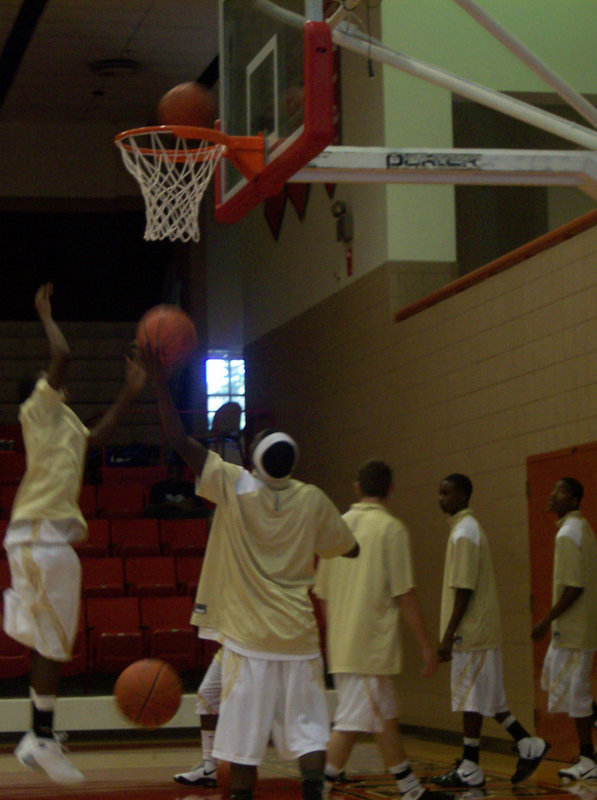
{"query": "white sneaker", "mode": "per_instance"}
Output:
(531, 750)
(48, 755)
(205, 773)
(531, 747)
(582, 769)
(465, 775)
(582, 790)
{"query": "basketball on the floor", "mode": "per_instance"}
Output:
(148, 692)
(187, 104)
(169, 333)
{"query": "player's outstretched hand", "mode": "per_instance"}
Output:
(43, 304)
(135, 374)
(152, 363)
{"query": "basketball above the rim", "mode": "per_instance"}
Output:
(169, 333)
(187, 104)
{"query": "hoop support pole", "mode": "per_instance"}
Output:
(349, 37)
(338, 164)
(579, 134)
(562, 87)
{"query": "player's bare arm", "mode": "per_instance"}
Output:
(60, 354)
(135, 379)
(461, 601)
(569, 596)
(192, 451)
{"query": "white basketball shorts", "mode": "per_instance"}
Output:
(566, 676)
(263, 697)
(478, 682)
(210, 688)
(41, 609)
(365, 702)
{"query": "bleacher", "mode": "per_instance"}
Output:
(139, 578)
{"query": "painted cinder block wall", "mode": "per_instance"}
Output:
(476, 383)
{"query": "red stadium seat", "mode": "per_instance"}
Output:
(169, 634)
(12, 432)
(7, 495)
(14, 657)
(97, 543)
(102, 577)
(135, 537)
(12, 466)
(120, 499)
(184, 537)
(151, 575)
(4, 575)
(3, 527)
(188, 569)
(114, 632)
(88, 500)
(207, 650)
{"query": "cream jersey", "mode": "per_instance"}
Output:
(55, 445)
(469, 566)
(575, 564)
(259, 562)
(362, 614)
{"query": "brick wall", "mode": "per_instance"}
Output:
(504, 370)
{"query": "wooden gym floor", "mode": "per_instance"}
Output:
(124, 771)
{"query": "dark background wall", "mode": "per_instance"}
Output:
(99, 262)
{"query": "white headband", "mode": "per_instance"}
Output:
(260, 450)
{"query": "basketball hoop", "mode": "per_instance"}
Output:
(173, 166)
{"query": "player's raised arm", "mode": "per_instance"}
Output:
(60, 354)
(192, 451)
(135, 379)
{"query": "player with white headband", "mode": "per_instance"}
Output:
(275, 455)
(254, 591)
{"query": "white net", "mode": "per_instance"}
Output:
(173, 174)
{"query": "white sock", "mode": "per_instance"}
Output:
(331, 772)
(207, 743)
(405, 778)
(43, 702)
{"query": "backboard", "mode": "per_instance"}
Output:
(276, 79)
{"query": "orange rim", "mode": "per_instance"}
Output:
(247, 153)
(182, 131)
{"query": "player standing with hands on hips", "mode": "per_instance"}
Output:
(41, 609)
(266, 530)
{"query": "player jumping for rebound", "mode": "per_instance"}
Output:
(41, 609)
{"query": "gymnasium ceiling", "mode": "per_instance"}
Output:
(57, 57)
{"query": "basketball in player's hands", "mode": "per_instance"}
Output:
(169, 334)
